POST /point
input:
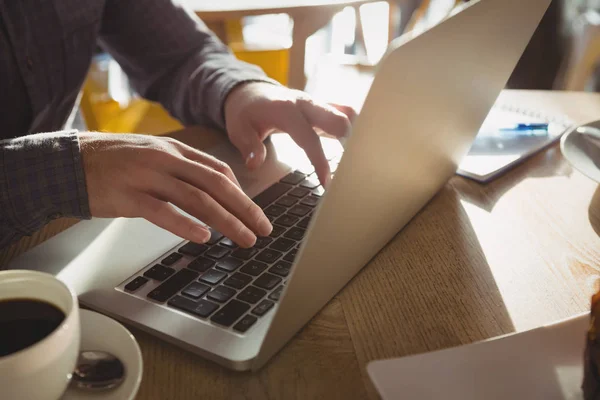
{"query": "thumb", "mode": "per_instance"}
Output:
(250, 146)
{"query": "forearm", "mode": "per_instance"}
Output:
(173, 58)
(41, 178)
(196, 91)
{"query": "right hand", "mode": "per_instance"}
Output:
(138, 176)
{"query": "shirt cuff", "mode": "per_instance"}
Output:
(42, 178)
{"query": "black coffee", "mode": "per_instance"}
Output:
(24, 322)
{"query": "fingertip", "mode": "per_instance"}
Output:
(257, 157)
(251, 160)
(349, 111)
(200, 234)
(325, 178)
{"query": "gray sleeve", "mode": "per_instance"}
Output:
(41, 178)
(171, 57)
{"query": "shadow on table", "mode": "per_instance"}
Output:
(435, 286)
(432, 288)
(546, 163)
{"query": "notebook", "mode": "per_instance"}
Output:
(497, 148)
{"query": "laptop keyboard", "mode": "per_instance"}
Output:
(227, 285)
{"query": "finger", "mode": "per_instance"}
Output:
(350, 112)
(206, 159)
(204, 207)
(222, 189)
(165, 216)
(248, 142)
(296, 125)
(325, 118)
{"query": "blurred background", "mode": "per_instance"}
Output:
(331, 47)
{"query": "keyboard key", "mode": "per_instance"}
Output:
(281, 268)
(287, 201)
(282, 244)
(228, 242)
(238, 281)
(245, 254)
(287, 220)
(275, 210)
(300, 211)
(310, 201)
(269, 256)
(304, 223)
(173, 285)
(137, 283)
(318, 191)
(271, 194)
(251, 294)
(201, 264)
(312, 182)
(276, 294)
(267, 281)
(171, 259)
(217, 252)
(254, 268)
(263, 308)
(262, 242)
(159, 273)
(245, 323)
(221, 294)
(294, 178)
(193, 249)
(229, 264)
(213, 277)
(277, 231)
(295, 233)
(195, 290)
(299, 192)
(291, 256)
(271, 218)
(232, 311)
(214, 236)
(200, 308)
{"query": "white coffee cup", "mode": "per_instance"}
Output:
(42, 370)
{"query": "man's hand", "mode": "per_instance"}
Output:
(138, 176)
(255, 110)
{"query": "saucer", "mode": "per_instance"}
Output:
(99, 332)
(582, 153)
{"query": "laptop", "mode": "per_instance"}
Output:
(238, 307)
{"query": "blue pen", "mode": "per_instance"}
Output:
(526, 127)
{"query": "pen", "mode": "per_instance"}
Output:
(525, 127)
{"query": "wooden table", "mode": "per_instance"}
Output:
(308, 15)
(478, 261)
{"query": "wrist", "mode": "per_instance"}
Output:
(243, 92)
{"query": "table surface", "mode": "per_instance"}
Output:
(478, 261)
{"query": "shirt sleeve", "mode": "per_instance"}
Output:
(41, 178)
(171, 57)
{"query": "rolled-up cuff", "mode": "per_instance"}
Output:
(42, 178)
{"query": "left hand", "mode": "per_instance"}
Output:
(255, 110)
